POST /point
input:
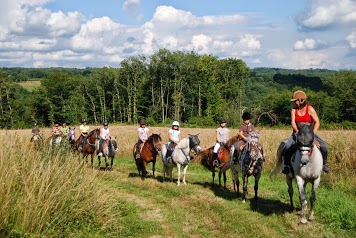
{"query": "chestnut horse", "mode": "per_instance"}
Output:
(206, 159)
(148, 154)
(89, 145)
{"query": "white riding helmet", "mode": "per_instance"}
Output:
(175, 123)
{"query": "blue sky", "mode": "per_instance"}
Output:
(92, 33)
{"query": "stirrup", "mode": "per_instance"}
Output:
(216, 163)
(169, 159)
(100, 154)
(137, 156)
(286, 169)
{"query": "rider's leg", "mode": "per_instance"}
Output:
(287, 154)
(215, 155)
(139, 142)
(324, 153)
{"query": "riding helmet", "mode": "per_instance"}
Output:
(246, 116)
(105, 123)
(142, 122)
(175, 123)
(34, 124)
(299, 95)
(222, 120)
(84, 120)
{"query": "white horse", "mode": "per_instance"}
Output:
(181, 156)
(307, 164)
(109, 149)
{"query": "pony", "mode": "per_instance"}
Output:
(109, 149)
(249, 162)
(149, 152)
(56, 142)
(181, 156)
(36, 140)
(71, 137)
(89, 144)
(307, 165)
(206, 159)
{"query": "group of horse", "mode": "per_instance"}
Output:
(306, 162)
(88, 145)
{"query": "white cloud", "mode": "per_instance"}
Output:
(351, 38)
(132, 7)
(328, 13)
(308, 44)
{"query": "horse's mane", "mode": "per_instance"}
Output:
(154, 137)
(203, 157)
(231, 141)
(92, 132)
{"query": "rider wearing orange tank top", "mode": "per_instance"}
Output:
(303, 113)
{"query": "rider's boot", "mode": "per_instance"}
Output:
(326, 168)
(215, 160)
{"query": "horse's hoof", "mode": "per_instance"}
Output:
(244, 201)
(303, 222)
(311, 219)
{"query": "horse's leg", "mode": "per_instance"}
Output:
(315, 185)
(244, 186)
(171, 173)
(144, 172)
(257, 178)
(213, 175)
(224, 173)
(106, 162)
(178, 168)
(235, 179)
(184, 173)
(153, 167)
(112, 162)
(99, 161)
(302, 197)
(220, 178)
(290, 190)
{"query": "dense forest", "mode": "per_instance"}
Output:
(195, 89)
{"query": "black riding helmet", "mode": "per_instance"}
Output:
(84, 120)
(222, 120)
(142, 122)
(246, 116)
(105, 123)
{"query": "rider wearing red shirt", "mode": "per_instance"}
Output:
(303, 112)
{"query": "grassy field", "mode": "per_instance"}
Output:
(30, 85)
(51, 193)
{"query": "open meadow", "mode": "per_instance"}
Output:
(52, 193)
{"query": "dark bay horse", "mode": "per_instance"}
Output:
(206, 159)
(89, 144)
(249, 162)
(148, 154)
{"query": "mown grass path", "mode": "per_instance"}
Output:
(151, 208)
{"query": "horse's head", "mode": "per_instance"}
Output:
(194, 143)
(71, 133)
(94, 134)
(305, 139)
(156, 141)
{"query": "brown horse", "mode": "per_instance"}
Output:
(89, 145)
(148, 154)
(206, 159)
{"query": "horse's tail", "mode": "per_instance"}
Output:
(279, 162)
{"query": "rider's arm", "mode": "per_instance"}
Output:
(228, 136)
(315, 117)
(294, 124)
(242, 135)
(170, 136)
(217, 137)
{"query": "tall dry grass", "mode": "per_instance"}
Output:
(45, 191)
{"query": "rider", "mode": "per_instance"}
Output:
(143, 134)
(245, 129)
(174, 136)
(104, 136)
(65, 129)
(56, 132)
(84, 129)
(303, 113)
(35, 132)
(222, 135)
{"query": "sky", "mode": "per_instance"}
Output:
(293, 34)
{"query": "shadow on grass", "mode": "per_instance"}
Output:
(268, 207)
(219, 191)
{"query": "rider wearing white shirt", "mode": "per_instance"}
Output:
(104, 136)
(174, 136)
(143, 134)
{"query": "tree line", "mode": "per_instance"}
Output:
(185, 86)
